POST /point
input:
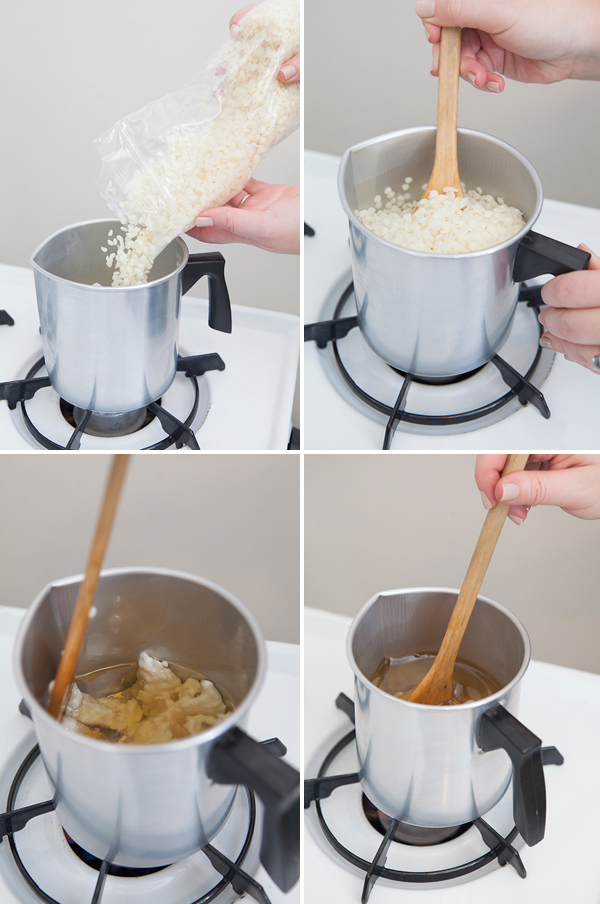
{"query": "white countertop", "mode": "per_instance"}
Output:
(275, 714)
(250, 401)
(560, 705)
(571, 391)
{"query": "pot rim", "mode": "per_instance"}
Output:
(111, 224)
(204, 737)
(485, 702)
(429, 255)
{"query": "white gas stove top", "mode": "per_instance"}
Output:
(42, 845)
(333, 419)
(561, 706)
(246, 406)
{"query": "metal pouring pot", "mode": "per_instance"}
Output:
(441, 766)
(443, 315)
(113, 349)
(147, 805)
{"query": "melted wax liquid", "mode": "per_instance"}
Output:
(400, 676)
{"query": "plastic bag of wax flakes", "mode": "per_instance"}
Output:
(196, 148)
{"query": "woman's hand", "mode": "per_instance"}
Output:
(289, 73)
(571, 482)
(572, 315)
(540, 41)
(263, 215)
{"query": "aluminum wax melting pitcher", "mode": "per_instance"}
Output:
(114, 349)
(149, 805)
(442, 766)
(443, 315)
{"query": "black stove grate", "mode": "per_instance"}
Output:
(315, 790)
(178, 433)
(520, 384)
(14, 820)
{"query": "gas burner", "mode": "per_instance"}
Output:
(446, 406)
(56, 424)
(404, 832)
(35, 838)
(101, 423)
(112, 869)
(402, 858)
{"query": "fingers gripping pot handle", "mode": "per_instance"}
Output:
(219, 305)
(237, 759)
(500, 730)
(538, 255)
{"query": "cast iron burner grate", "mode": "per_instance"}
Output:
(14, 820)
(178, 433)
(500, 848)
(521, 387)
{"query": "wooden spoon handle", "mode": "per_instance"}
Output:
(447, 111)
(478, 566)
(445, 164)
(87, 591)
(436, 686)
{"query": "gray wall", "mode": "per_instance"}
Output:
(367, 72)
(233, 519)
(376, 522)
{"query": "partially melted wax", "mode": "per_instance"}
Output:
(146, 702)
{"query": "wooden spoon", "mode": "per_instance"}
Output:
(436, 686)
(87, 591)
(445, 164)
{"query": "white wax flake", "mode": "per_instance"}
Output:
(443, 223)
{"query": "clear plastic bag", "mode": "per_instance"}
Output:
(195, 149)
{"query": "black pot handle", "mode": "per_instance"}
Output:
(539, 254)
(500, 730)
(219, 305)
(237, 759)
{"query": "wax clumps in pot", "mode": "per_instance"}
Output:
(399, 676)
(442, 223)
(158, 707)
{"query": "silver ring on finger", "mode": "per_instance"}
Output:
(245, 198)
(596, 363)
